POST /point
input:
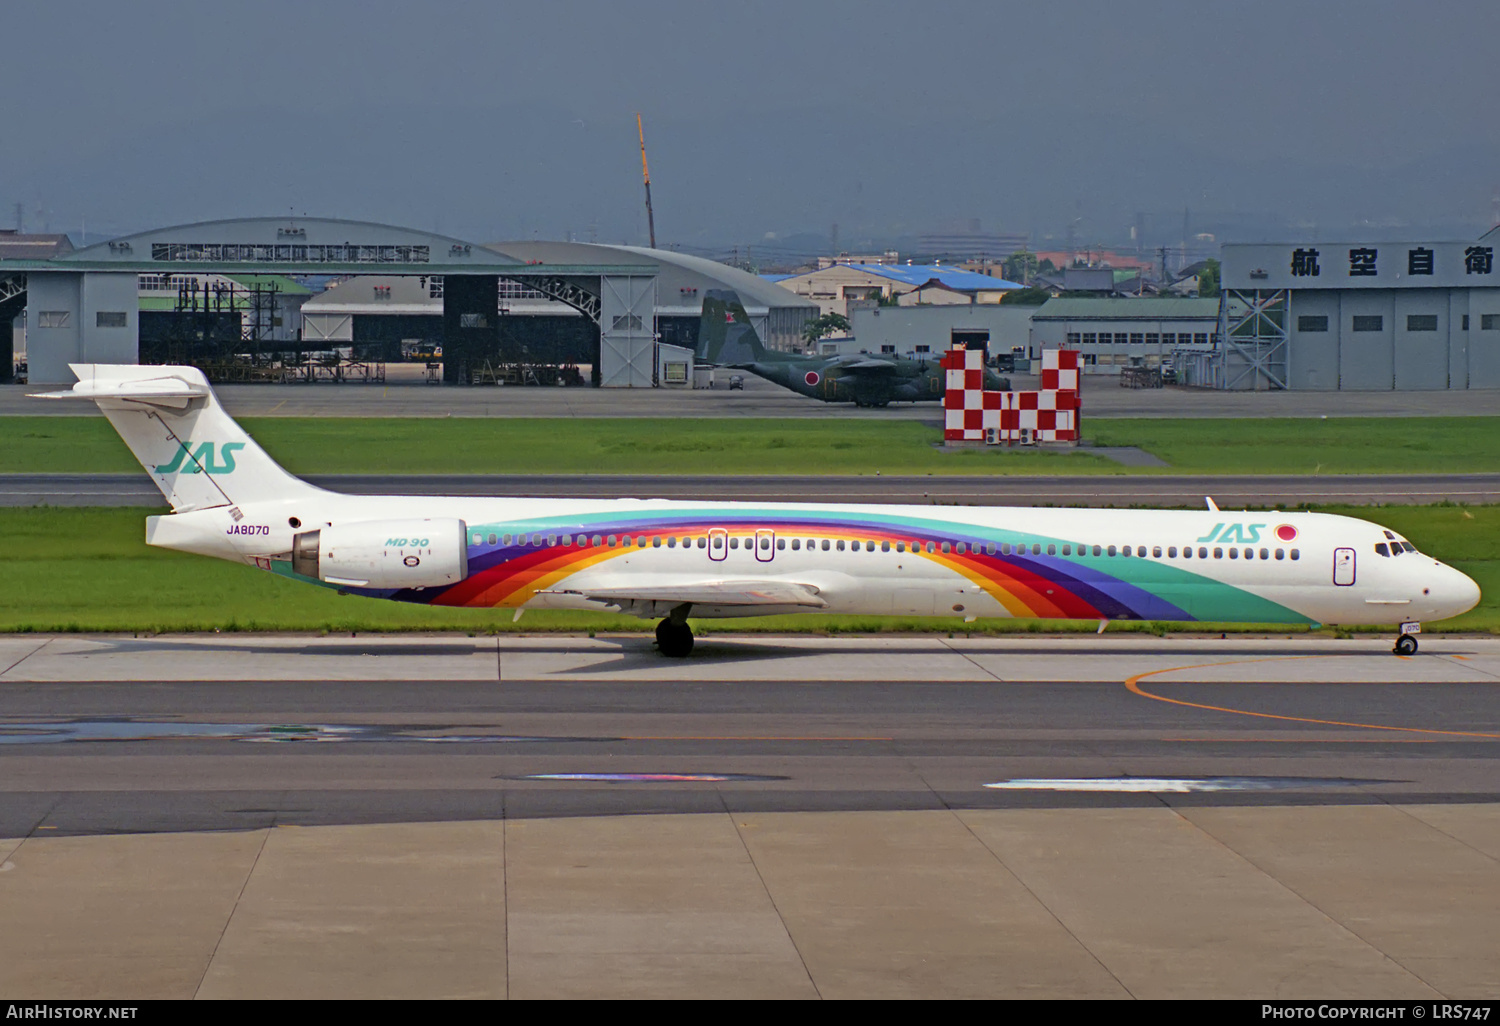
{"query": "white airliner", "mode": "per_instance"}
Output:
(670, 559)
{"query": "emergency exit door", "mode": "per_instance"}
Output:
(1343, 567)
(765, 545)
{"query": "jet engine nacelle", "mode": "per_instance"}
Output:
(385, 553)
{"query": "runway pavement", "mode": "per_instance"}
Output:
(425, 816)
(1096, 490)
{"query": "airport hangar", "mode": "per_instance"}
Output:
(376, 314)
(1360, 316)
(83, 305)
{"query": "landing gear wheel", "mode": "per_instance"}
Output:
(674, 640)
(1406, 645)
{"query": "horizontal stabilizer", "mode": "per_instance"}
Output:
(708, 593)
(162, 391)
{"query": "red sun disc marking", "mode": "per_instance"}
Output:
(812, 378)
(1286, 532)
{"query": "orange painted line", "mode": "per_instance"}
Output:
(710, 737)
(1464, 658)
(1315, 741)
(1133, 685)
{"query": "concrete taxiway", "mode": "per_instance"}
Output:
(1229, 490)
(760, 398)
(775, 816)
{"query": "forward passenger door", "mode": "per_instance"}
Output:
(1343, 567)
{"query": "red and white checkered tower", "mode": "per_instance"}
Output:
(970, 414)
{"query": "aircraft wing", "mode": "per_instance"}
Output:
(703, 593)
(868, 366)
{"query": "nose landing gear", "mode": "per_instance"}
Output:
(674, 638)
(1406, 642)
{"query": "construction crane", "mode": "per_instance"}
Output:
(646, 174)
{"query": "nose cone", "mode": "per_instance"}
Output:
(1453, 592)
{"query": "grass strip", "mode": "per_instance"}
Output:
(334, 445)
(89, 569)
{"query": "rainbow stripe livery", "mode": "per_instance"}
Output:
(655, 558)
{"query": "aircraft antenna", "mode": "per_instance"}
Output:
(646, 174)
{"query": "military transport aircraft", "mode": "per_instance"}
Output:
(670, 559)
(726, 338)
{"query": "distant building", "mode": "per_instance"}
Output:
(970, 243)
(890, 256)
(833, 288)
(16, 245)
(1114, 333)
(921, 331)
(1361, 315)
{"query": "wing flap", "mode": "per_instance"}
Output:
(705, 593)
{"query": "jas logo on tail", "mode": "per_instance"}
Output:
(188, 460)
(1247, 534)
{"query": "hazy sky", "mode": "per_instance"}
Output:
(490, 120)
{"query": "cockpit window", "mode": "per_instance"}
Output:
(1381, 550)
(1408, 547)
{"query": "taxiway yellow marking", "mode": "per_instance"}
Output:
(1312, 741)
(696, 737)
(1133, 685)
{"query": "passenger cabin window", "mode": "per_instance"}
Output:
(1111, 550)
(885, 546)
(826, 545)
(1202, 552)
(1172, 552)
(1296, 554)
(1218, 553)
(1281, 553)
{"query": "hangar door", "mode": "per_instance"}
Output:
(627, 331)
(327, 327)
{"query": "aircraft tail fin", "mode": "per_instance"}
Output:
(173, 423)
(725, 335)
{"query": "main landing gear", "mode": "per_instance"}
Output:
(1406, 642)
(674, 638)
